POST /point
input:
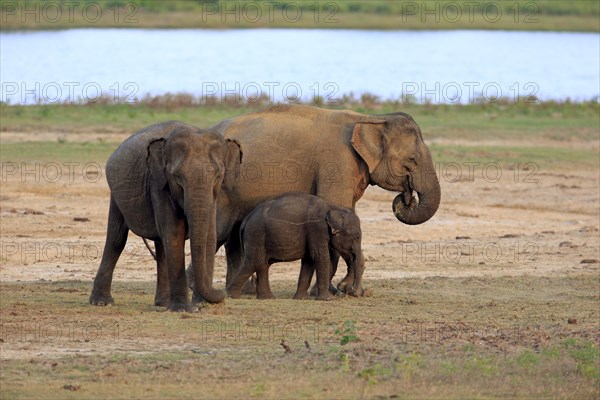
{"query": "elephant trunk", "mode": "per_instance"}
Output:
(201, 215)
(427, 186)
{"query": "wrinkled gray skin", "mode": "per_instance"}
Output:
(333, 154)
(298, 226)
(164, 183)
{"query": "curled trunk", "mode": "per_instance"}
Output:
(411, 211)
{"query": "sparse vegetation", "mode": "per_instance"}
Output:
(576, 15)
(408, 350)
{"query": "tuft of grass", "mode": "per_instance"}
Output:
(587, 356)
(347, 332)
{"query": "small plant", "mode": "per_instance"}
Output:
(527, 360)
(347, 332)
(373, 372)
(409, 364)
(587, 356)
(345, 362)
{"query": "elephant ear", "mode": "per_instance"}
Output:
(233, 161)
(156, 163)
(367, 140)
(336, 221)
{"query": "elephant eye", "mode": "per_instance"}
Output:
(412, 160)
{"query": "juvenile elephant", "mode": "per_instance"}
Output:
(298, 226)
(333, 154)
(164, 182)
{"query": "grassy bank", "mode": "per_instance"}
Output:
(548, 133)
(562, 121)
(577, 15)
(462, 340)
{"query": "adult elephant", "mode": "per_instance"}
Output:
(334, 154)
(164, 182)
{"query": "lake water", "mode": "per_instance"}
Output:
(439, 66)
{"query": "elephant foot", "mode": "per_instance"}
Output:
(182, 307)
(314, 291)
(234, 294)
(265, 296)
(250, 286)
(161, 302)
(197, 298)
(327, 297)
(101, 299)
(344, 283)
(350, 290)
(302, 295)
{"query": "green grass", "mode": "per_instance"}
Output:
(447, 342)
(507, 156)
(561, 15)
(538, 133)
(108, 118)
(57, 151)
(501, 120)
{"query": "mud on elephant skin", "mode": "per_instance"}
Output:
(164, 182)
(334, 154)
(298, 226)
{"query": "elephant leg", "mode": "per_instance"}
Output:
(306, 272)
(162, 276)
(116, 238)
(234, 287)
(348, 281)
(174, 246)
(323, 279)
(171, 229)
(233, 250)
(334, 259)
(263, 289)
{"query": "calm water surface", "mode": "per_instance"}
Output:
(439, 66)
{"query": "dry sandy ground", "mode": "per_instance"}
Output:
(545, 225)
(533, 222)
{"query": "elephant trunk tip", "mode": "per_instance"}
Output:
(210, 295)
(417, 212)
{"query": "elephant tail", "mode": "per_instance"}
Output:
(149, 248)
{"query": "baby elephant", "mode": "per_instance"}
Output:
(299, 226)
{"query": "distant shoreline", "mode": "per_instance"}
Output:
(575, 16)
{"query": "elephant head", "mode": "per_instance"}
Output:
(398, 160)
(346, 237)
(193, 165)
